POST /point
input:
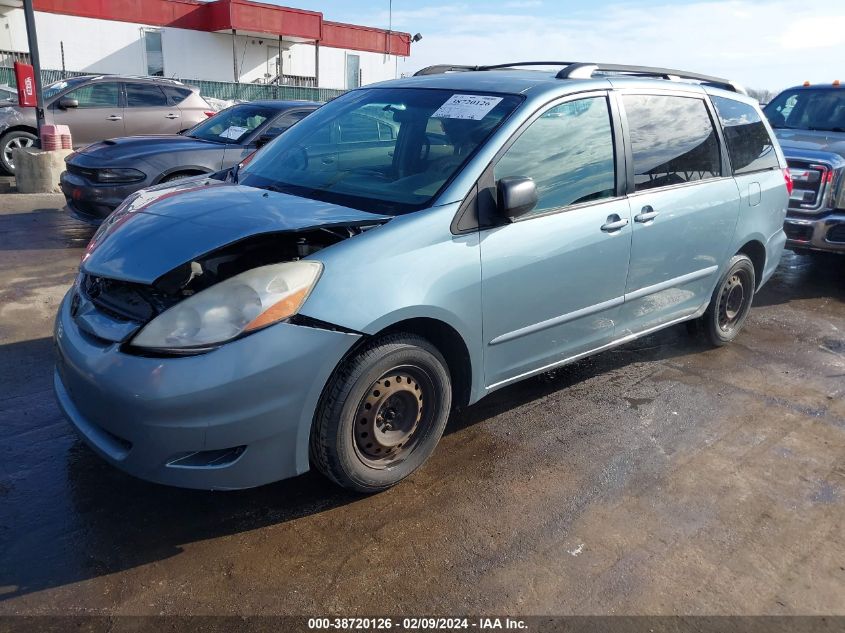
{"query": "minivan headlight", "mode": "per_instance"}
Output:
(241, 304)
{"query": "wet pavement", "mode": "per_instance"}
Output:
(662, 477)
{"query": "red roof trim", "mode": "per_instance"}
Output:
(245, 15)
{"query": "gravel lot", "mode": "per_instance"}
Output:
(662, 477)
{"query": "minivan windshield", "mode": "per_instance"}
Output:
(387, 150)
(820, 109)
(232, 125)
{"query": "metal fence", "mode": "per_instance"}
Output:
(216, 89)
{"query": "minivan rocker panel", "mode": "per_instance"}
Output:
(406, 288)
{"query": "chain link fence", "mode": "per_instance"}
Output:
(216, 89)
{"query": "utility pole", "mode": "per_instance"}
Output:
(32, 40)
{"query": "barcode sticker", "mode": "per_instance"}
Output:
(472, 107)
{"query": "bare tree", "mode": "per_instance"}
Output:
(763, 95)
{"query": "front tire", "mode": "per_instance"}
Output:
(10, 141)
(730, 302)
(382, 413)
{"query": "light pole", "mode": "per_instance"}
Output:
(32, 41)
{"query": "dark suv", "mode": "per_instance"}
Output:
(97, 107)
(809, 121)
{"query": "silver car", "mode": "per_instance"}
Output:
(408, 248)
(104, 106)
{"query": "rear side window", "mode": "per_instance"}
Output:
(672, 139)
(175, 95)
(144, 96)
(568, 152)
(749, 144)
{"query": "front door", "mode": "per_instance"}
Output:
(553, 281)
(98, 116)
(684, 210)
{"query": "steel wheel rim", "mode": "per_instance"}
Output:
(733, 302)
(393, 416)
(18, 142)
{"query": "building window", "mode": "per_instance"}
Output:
(353, 71)
(153, 54)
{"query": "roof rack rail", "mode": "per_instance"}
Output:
(445, 68)
(585, 70)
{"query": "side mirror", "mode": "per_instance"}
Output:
(67, 102)
(515, 197)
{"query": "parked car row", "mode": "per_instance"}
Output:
(100, 176)
(404, 249)
(97, 107)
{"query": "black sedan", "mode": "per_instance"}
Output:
(99, 177)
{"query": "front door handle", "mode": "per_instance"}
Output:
(647, 214)
(171, 116)
(114, 117)
(614, 223)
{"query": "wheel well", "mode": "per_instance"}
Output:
(19, 128)
(447, 340)
(757, 254)
(181, 172)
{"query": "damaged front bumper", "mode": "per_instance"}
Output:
(236, 417)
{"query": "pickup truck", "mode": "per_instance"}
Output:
(809, 122)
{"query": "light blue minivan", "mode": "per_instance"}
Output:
(408, 248)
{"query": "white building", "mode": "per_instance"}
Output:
(221, 40)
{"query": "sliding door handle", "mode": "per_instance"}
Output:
(647, 214)
(614, 223)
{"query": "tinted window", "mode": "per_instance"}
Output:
(672, 139)
(144, 95)
(175, 95)
(358, 128)
(283, 122)
(98, 95)
(809, 109)
(749, 144)
(568, 152)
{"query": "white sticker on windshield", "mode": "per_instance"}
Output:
(233, 132)
(473, 107)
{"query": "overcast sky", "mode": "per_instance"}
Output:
(760, 43)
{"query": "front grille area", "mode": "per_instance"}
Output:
(836, 234)
(810, 185)
(798, 232)
(124, 300)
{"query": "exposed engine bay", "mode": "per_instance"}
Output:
(141, 303)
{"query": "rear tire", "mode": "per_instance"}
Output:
(175, 177)
(730, 302)
(10, 141)
(382, 413)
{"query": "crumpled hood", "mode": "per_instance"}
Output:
(811, 140)
(160, 228)
(131, 148)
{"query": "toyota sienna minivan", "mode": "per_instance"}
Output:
(408, 248)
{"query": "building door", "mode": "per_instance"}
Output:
(353, 71)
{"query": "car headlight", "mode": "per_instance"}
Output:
(241, 304)
(119, 174)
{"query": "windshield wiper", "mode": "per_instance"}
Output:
(827, 129)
